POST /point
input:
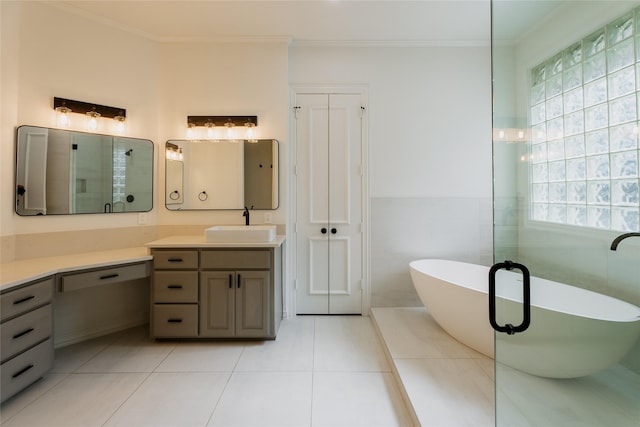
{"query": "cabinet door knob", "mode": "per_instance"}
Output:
(323, 230)
(334, 230)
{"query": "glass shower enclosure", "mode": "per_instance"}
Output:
(565, 289)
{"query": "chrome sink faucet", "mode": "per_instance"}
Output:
(617, 240)
(245, 214)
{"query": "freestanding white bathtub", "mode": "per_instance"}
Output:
(573, 332)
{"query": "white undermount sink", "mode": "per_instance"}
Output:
(240, 233)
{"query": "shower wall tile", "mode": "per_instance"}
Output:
(406, 229)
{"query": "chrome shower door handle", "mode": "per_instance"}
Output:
(526, 298)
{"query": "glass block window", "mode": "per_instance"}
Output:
(119, 175)
(584, 117)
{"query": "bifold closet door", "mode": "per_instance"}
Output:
(329, 204)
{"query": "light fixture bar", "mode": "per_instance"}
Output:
(81, 107)
(222, 120)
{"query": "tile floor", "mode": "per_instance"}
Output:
(320, 371)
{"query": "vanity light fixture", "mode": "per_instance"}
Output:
(228, 123)
(510, 135)
(64, 107)
(174, 152)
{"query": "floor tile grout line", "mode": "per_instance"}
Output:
(313, 370)
(41, 396)
(215, 407)
(128, 397)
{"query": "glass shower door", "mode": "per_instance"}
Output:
(566, 80)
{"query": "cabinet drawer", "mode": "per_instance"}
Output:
(175, 286)
(24, 299)
(22, 332)
(175, 320)
(235, 259)
(104, 276)
(19, 372)
(169, 260)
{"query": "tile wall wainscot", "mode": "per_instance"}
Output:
(406, 229)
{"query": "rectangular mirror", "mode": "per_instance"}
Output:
(62, 172)
(221, 174)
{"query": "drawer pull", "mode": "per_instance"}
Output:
(175, 260)
(174, 320)
(174, 286)
(22, 371)
(25, 299)
(23, 333)
(109, 276)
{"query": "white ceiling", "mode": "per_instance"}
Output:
(426, 22)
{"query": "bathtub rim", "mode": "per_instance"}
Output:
(616, 307)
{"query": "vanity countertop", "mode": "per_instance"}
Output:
(22, 271)
(200, 242)
(18, 272)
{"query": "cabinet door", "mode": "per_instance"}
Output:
(253, 305)
(217, 292)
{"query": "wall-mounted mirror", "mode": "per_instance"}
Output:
(221, 174)
(68, 172)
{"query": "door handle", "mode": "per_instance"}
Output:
(526, 298)
(323, 230)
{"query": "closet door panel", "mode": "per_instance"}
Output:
(312, 204)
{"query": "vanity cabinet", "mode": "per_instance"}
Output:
(216, 293)
(26, 333)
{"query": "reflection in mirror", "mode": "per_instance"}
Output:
(67, 172)
(221, 174)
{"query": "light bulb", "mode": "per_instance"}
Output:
(62, 118)
(211, 131)
(120, 125)
(191, 131)
(251, 132)
(92, 124)
(230, 133)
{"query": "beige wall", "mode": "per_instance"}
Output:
(48, 51)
